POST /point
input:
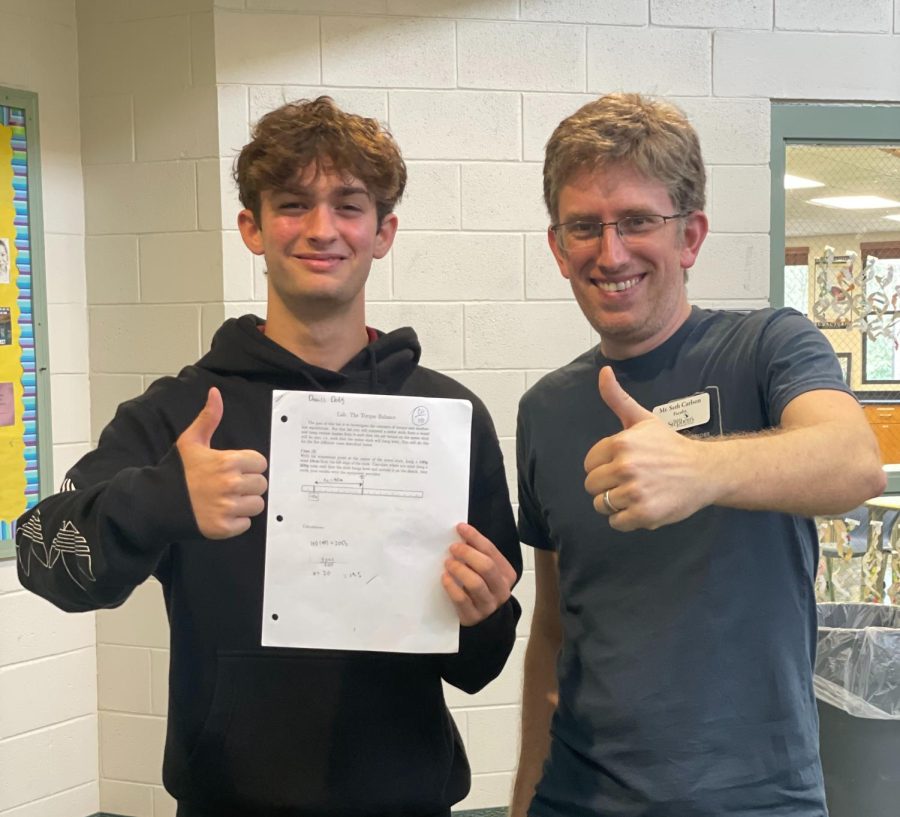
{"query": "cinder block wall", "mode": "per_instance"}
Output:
(48, 690)
(472, 90)
(155, 287)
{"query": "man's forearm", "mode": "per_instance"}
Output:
(822, 459)
(816, 470)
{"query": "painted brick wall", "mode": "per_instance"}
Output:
(48, 690)
(472, 91)
(154, 288)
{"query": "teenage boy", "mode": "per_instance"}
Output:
(177, 486)
(666, 481)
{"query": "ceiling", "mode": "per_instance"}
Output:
(846, 170)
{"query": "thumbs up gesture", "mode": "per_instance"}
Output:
(225, 487)
(645, 476)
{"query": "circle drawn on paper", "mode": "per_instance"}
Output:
(420, 416)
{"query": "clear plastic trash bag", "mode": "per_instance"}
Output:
(858, 659)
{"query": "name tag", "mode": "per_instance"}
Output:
(685, 412)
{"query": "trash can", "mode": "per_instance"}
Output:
(857, 683)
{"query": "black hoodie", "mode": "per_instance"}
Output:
(253, 730)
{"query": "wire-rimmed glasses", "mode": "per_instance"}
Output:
(583, 233)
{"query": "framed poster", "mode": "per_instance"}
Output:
(25, 467)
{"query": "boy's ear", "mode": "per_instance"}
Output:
(250, 231)
(384, 238)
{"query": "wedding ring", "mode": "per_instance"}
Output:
(608, 505)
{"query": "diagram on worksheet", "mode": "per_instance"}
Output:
(339, 485)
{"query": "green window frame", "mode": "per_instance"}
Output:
(817, 124)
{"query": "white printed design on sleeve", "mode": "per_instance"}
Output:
(32, 533)
(68, 545)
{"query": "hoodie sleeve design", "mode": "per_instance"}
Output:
(68, 546)
(92, 543)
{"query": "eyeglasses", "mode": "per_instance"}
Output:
(581, 234)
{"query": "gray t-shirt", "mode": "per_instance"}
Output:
(685, 677)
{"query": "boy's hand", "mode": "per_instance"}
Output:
(477, 577)
(225, 487)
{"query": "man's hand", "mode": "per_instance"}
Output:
(477, 577)
(645, 476)
(225, 487)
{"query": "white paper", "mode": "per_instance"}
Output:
(365, 493)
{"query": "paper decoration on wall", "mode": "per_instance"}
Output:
(850, 295)
(19, 473)
(5, 326)
(5, 260)
(7, 410)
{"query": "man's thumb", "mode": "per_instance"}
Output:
(207, 421)
(625, 407)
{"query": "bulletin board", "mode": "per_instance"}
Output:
(24, 386)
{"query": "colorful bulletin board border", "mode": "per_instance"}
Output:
(25, 444)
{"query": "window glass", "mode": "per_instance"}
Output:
(842, 202)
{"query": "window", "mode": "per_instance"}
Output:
(835, 207)
(796, 278)
(881, 354)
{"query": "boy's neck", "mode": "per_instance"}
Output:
(327, 342)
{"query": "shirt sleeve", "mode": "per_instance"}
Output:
(532, 530)
(794, 357)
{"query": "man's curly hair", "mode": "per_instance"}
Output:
(317, 133)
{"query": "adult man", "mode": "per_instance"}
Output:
(176, 488)
(675, 581)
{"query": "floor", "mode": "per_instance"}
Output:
(482, 812)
